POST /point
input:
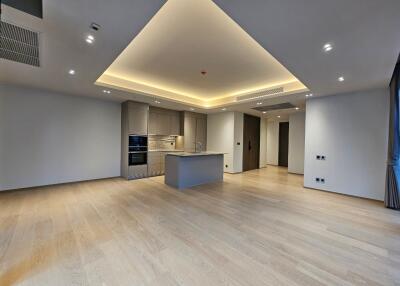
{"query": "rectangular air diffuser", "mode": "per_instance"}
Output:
(18, 44)
(286, 105)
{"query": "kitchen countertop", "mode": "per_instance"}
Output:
(192, 154)
(163, 150)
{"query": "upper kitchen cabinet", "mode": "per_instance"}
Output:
(135, 115)
(194, 131)
(164, 121)
(175, 124)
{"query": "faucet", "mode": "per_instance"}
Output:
(196, 146)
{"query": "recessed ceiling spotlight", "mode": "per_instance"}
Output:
(259, 103)
(191, 108)
(340, 79)
(279, 116)
(90, 39)
(264, 112)
(297, 108)
(223, 109)
(71, 72)
(106, 91)
(156, 101)
(327, 47)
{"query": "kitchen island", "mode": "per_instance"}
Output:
(187, 169)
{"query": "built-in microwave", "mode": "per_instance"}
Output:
(137, 143)
(137, 158)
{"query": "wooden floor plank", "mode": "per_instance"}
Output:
(256, 228)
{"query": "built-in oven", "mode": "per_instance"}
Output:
(137, 150)
(137, 143)
(137, 158)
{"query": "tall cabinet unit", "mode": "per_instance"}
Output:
(134, 121)
(194, 131)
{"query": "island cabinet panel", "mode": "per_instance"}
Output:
(164, 121)
(194, 131)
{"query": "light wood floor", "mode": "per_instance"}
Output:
(257, 228)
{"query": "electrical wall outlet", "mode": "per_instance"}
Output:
(317, 179)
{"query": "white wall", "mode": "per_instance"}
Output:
(238, 138)
(224, 130)
(272, 142)
(263, 142)
(351, 130)
(48, 138)
(296, 142)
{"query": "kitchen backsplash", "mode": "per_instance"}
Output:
(162, 142)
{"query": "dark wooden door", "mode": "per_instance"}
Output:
(251, 142)
(283, 143)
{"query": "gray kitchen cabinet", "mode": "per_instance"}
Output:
(162, 162)
(137, 115)
(134, 120)
(175, 124)
(154, 163)
(189, 133)
(164, 121)
(153, 120)
(194, 130)
(201, 133)
(137, 172)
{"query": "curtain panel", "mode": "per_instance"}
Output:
(392, 188)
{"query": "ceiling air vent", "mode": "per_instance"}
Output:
(280, 106)
(19, 45)
(260, 94)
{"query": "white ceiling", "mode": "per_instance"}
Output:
(186, 37)
(365, 35)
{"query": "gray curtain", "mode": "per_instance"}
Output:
(392, 191)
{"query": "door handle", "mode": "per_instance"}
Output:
(249, 145)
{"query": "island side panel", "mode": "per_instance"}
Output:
(191, 171)
(172, 166)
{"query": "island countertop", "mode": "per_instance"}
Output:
(193, 154)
